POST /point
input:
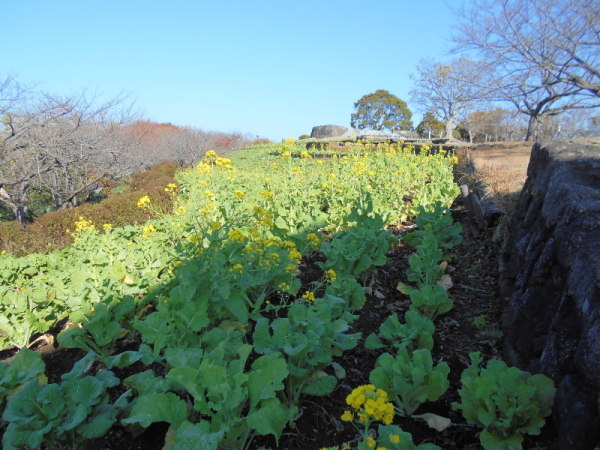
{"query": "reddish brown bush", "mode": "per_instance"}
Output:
(48, 232)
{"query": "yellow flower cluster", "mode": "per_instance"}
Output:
(208, 209)
(267, 195)
(148, 230)
(107, 227)
(309, 296)
(171, 188)
(330, 275)
(143, 202)
(283, 287)
(239, 195)
(295, 255)
(263, 216)
(313, 240)
(305, 155)
(237, 236)
(83, 226)
(237, 268)
(370, 403)
(203, 168)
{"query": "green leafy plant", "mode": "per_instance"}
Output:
(238, 403)
(424, 266)
(437, 219)
(359, 248)
(416, 332)
(505, 401)
(411, 379)
(346, 287)
(27, 365)
(309, 338)
(63, 415)
(100, 326)
(429, 300)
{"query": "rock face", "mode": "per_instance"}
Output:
(550, 279)
(325, 131)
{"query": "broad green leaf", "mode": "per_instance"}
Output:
(151, 408)
(266, 377)
(320, 384)
(270, 418)
(194, 436)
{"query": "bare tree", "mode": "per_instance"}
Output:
(542, 55)
(62, 146)
(448, 90)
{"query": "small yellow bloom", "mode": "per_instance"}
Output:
(371, 442)
(330, 275)
(237, 268)
(237, 236)
(148, 230)
(239, 195)
(143, 202)
(395, 438)
(309, 296)
(283, 287)
(347, 416)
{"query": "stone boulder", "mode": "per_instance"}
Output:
(327, 131)
(550, 280)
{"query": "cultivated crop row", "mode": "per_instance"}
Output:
(210, 307)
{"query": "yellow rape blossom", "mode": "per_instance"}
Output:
(239, 195)
(313, 240)
(237, 268)
(347, 416)
(309, 296)
(171, 188)
(295, 255)
(371, 442)
(330, 275)
(267, 195)
(371, 404)
(143, 202)
(148, 230)
(237, 236)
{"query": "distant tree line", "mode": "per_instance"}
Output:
(529, 70)
(58, 151)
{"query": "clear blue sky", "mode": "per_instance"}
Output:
(268, 68)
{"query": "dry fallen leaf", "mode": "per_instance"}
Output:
(434, 421)
(445, 282)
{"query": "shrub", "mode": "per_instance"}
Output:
(48, 232)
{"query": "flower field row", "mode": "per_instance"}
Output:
(211, 305)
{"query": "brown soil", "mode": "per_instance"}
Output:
(474, 274)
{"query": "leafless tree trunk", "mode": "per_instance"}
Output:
(448, 90)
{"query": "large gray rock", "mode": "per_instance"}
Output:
(550, 279)
(326, 131)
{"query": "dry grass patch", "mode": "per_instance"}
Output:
(503, 168)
